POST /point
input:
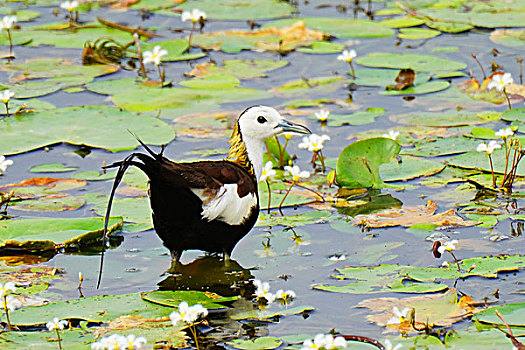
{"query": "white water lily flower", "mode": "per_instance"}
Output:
(500, 81)
(448, 246)
(285, 295)
(322, 341)
(262, 291)
(389, 346)
(6, 95)
(114, 341)
(400, 316)
(7, 22)
(296, 172)
(505, 133)
(445, 264)
(69, 6)
(314, 142)
(132, 342)
(188, 314)
(322, 115)
(154, 56)
(9, 286)
(268, 173)
(12, 303)
(194, 15)
(56, 324)
(483, 147)
(4, 163)
(347, 56)
(392, 134)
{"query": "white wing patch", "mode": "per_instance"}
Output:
(226, 205)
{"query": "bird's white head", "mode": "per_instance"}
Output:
(255, 125)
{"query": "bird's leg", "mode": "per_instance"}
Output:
(175, 255)
(226, 258)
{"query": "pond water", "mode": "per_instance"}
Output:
(274, 253)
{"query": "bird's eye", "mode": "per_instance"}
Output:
(261, 119)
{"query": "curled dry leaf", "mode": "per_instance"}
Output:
(409, 216)
(405, 79)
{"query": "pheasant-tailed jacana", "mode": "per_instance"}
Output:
(209, 205)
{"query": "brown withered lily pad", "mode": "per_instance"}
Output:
(39, 187)
(436, 310)
(269, 39)
(409, 216)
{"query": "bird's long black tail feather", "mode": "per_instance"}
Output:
(122, 167)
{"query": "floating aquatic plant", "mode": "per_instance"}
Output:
(348, 56)
(117, 341)
(315, 143)
(267, 175)
(500, 83)
(5, 97)
(189, 315)
(7, 23)
(195, 16)
(155, 57)
(72, 9)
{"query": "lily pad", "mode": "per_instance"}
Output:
(480, 161)
(357, 118)
(44, 67)
(273, 39)
(358, 164)
(418, 33)
(242, 69)
(241, 10)
(514, 115)
(75, 125)
(425, 88)
(26, 106)
(409, 168)
(176, 50)
(135, 209)
(322, 47)
(307, 218)
(445, 119)
(266, 314)
(418, 62)
(34, 88)
(340, 27)
(508, 37)
(51, 168)
(383, 77)
(40, 234)
(172, 298)
(261, 343)
(512, 313)
(402, 22)
(57, 203)
(378, 279)
(301, 87)
(441, 146)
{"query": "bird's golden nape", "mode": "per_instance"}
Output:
(206, 205)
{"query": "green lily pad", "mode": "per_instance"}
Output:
(446, 49)
(445, 119)
(266, 314)
(80, 339)
(172, 298)
(301, 87)
(41, 234)
(358, 164)
(409, 168)
(242, 69)
(75, 125)
(514, 115)
(322, 47)
(21, 15)
(480, 17)
(441, 146)
(93, 175)
(70, 38)
(402, 22)
(418, 33)
(51, 168)
(449, 27)
(242, 10)
(136, 210)
(383, 77)
(212, 81)
(480, 161)
(176, 50)
(340, 27)
(26, 106)
(261, 343)
(425, 88)
(514, 315)
(419, 63)
(60, 203)
(482, 133)
(508, 37)
(357, 118)
(378, 279)
(132, 96)
(35, 88)
(43, 67)
(102, 308)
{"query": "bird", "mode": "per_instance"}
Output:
(208, 205)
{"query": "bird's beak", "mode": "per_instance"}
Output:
(286, 126)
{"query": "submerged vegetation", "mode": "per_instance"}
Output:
(415, 156)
